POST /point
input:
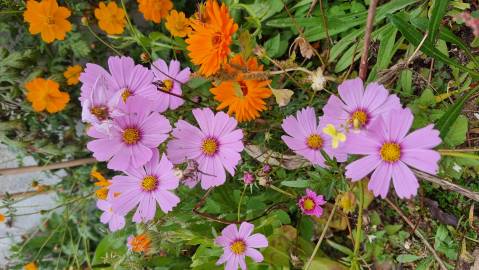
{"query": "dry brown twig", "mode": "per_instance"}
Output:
(363, 66)
(53, 166)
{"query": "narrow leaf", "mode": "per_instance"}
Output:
(438, 11)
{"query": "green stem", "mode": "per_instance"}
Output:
(282, 191)
(316, 248)
(11, 11)
(240, 201)
(359, 224)
(103, 41)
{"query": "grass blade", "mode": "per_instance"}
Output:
(437, 13)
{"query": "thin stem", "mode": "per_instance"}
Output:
(359, 224)
(363, 66)
(316, 248)
(325, 25)
(240, 201)
(103, 41)
(282, 191)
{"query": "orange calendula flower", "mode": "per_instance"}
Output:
(48, 19)
(139, 243)
(72, 74)
(111, 18)
(243, 97)
(102, 182)
(178, 24)
(46, 94)
(2, 218)
(155, 10)
(209, 42)
(30, 266)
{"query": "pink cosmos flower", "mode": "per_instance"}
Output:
(115, 221)
(126, 79)
(389, 151)
(215, 146)
(97, 108)
(132, 137)
(145, 187)
(305, 137)
(311, 203)
(170, 79)
(238, 244)
(357, 107)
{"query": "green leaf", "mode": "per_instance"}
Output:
(112, 243)
(438, 10)
(408, 258)
(447, 120)
(457, 133)
(405, 80)
(272, 45)
(296, 184)
(415, 37)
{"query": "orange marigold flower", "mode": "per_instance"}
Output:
(111, 18)
(48, 19)
(102, 182)
(178, 24)
(45, 94)
(2, 218)
(30, 266)
(139, 243)
(243, 97)
(72, 74)
(209, 42)
(155, 10)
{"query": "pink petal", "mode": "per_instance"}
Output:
(105, 217)
(405, 183)
(334, 112)
(140, 155)
(204, 118)
(245, 230)
(127, 201)
(422, 159)
(120, 161)
(351, 91)
(104, 149)
(426, 137)
(242, 262)
(374, 96)
(257, 240)
(399, 123)
(223, 241)
(308, 120)
(292, 127)
(360, 168)
(120, 68)
(229, 159)
(117, 222)
(380, 180)
(295, 143)
(230, 231)
(212, 172)
(147, 208)
(232, 263)
(174, 67)
(362, 144)
(391, 103)
(254, 254)
(225, 257)
(166, 199)
(121, 183)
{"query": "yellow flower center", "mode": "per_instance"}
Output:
(359, 118)
(314, 141)
(149, 183)
(126, 94)
(390, 152)
(100, 112)
(209, 146)
(308, 204)
(238, 247)
(131, 135)
(167, 85)
(102, 193)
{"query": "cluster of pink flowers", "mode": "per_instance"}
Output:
(123, 107)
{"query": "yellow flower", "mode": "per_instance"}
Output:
(45, 94)
(48, 19)
(335, 135)
(30, 266)
(178, 24)
(155, 10)
(111, 18)
(2, 218)
(347, 201)
(72, 74)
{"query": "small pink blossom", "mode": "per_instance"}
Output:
(115, 221)
(248, 178)
(310, 204)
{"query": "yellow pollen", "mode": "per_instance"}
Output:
(209, 146)
(238, 247)
(314, 141)
(126, 94)
(167, 85)
(359, 118)
(100, 112)
(390, 152)
(102, 193)
(131, 135)
(149, 183)
(308, 204)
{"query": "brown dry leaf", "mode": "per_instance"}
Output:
(283, 96)
(305, 48)
(471, 217)
(289, 162)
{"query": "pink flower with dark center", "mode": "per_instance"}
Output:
(97, 108)
(115, 221)
(306, 138)
(390, 150)
(239, 244)
(126, 79)
(145, 187)
(215, 146)
(132, 137)
(310, 204)
(356, 107)
(169, 79)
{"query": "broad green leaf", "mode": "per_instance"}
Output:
(113, 243)
(457, 134)
(415, 37)
(296, 184)
(405, 80)
(272, 45)
(408, 258)
(447, 120)
(438, 10)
